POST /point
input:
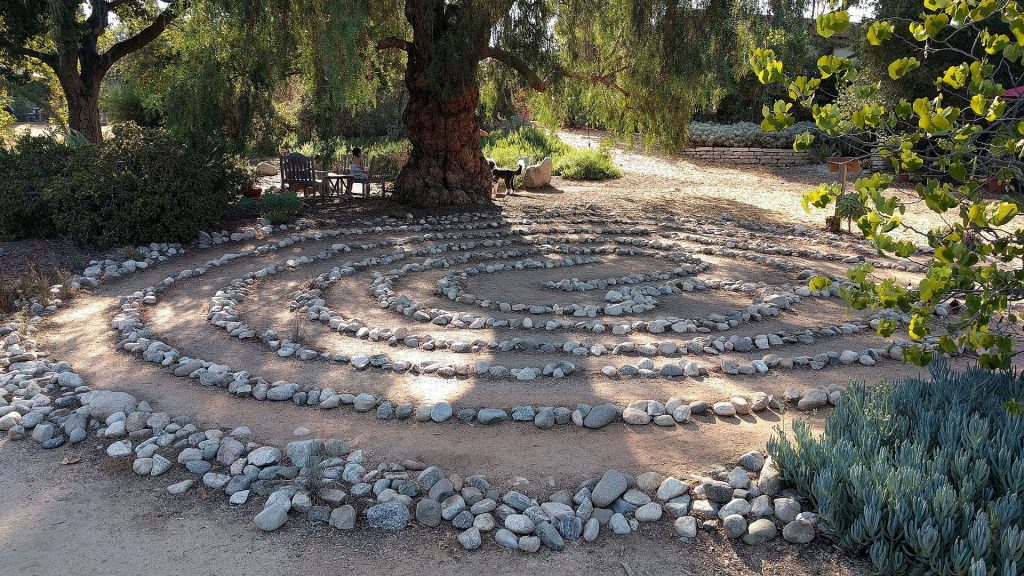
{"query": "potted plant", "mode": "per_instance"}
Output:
(253, 191)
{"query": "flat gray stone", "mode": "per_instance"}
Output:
(600, 415)
(470, 538)
(440, 412)
(491, 415)
(612, 485)
(343, 517)
(760, 531)
(798, 531)
(506, 539)
(388, 516)
(428, 512)
(271, 518)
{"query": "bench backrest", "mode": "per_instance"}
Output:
(297, 167)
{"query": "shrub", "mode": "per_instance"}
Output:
(141, 185)
(26, 170)
(506, 148)
(744, 135)
(925, 476)
(585, 164)
(850, 207)
(277, 208)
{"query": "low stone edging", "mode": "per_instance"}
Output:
(749, 156)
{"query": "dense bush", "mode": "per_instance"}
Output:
(585, 164)
(277, 208)
(744, 135)
(26, 170)
(506, 148)
(141, 185)
(925, 476)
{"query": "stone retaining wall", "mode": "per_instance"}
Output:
(749, 156)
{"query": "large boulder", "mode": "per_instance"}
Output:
(103, 403)
(267, 169)
(538, 175)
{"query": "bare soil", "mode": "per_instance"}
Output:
(47, 257)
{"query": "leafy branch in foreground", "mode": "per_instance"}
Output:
(960, 140)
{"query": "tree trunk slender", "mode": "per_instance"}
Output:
(446, 166)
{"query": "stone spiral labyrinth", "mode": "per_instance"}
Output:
(562, 296)
(553, 344)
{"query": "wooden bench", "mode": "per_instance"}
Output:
(299, 173)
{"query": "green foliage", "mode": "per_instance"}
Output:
(330, 151)
(506, 148)
(744, 135)
(959, 135)
(6, 118)
(644, 67)
(123, 103)
(924, 476)
(27, 169)
(850, 207)
(586, 164)
(278, 208)
(832, 23)
(142, 185)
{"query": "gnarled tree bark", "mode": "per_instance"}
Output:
(446, 166)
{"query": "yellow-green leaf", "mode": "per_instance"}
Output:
(879, 32)
(899, 68)
(1005, 212)
(832, 23)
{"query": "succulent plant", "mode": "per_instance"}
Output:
(925, 476)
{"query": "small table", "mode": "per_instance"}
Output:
(333, 184)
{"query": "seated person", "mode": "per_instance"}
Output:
(358, 170)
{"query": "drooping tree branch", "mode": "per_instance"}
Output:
(537, 83)
(518, 64)
(608, 80)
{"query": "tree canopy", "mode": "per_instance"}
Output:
(640, 66)
(963, 136)
(76, 41)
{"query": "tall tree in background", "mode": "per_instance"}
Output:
(641, 65)
(66, 36)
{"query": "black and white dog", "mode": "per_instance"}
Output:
(506, 174)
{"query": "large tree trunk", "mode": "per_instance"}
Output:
(80, 79)
(446, 166)
(84, 112)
